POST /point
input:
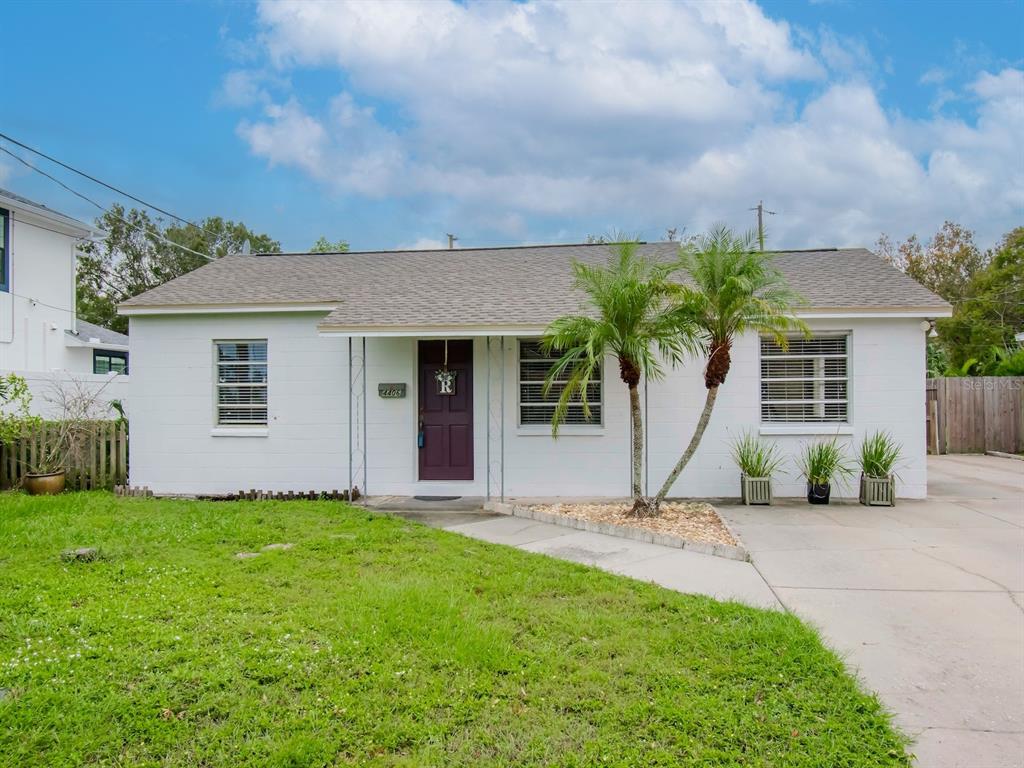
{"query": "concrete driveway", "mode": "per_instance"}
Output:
(925, 600)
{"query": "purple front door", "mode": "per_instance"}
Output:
(446, 419)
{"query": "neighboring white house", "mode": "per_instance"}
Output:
(40, 335)
(418, 373)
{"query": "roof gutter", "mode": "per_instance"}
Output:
(429, 331)
(131, 310)
(39, 217)
(425, 329)
(872, 312)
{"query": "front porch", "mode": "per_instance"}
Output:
(408, 438)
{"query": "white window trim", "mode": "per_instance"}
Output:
(812, 427)
(540, 430)
(780, 429)
(566, 430)
(242, 429)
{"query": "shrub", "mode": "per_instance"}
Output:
(15, 399)
(1011, 365)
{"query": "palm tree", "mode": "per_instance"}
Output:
(733, 289)
(628, 315)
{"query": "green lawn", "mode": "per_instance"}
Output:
(374, 641)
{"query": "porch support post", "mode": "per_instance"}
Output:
(487, 460)
(366, 435)
(350, 395)
(501, 408)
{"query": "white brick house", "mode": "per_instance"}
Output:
(286, 372)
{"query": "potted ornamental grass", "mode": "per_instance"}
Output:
(821, 463)
(878, 457)
(757, 461)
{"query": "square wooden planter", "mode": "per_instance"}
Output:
(756, 490)
(878, 491)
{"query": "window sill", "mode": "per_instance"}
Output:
(239, 432)
(568, 430)
(806, 429)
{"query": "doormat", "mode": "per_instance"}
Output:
(436, 498)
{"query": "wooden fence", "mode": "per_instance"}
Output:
(104, 462)
(974, 414)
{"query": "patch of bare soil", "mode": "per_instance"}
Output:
(693, 520)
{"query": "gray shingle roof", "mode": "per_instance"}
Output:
(88, 331)
(528, 285)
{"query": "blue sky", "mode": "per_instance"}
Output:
(390, 124)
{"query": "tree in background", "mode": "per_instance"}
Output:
(990, 314)
(986, 290)
(138, 253)
(944, 265)
(323, 245)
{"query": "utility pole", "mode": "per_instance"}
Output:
(760, 221)
(451, 241)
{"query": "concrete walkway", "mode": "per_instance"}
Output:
(670, 567)
(924, 600)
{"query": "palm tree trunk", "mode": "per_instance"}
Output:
(638, 440)
(698, 433)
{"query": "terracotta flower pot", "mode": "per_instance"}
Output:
(47, 484)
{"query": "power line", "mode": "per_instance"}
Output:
(37, 301)
(89, 200)
(111, 187)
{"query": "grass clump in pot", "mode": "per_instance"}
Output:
(879, 455)
(755, 457)
(821, 463)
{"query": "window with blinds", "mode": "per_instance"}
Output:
(808, 382)
(537, 408)
(241, 383)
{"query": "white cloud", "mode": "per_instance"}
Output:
(645, 114)
(242, 88)
(845, 54)
(1006, 85)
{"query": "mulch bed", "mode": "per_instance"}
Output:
(693, 520)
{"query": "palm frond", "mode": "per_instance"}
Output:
(735, 289)
(629, 314)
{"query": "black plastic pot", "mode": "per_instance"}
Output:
(818, 493)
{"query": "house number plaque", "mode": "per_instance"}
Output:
(391, 391)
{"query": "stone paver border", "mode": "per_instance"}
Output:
(624, 532)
